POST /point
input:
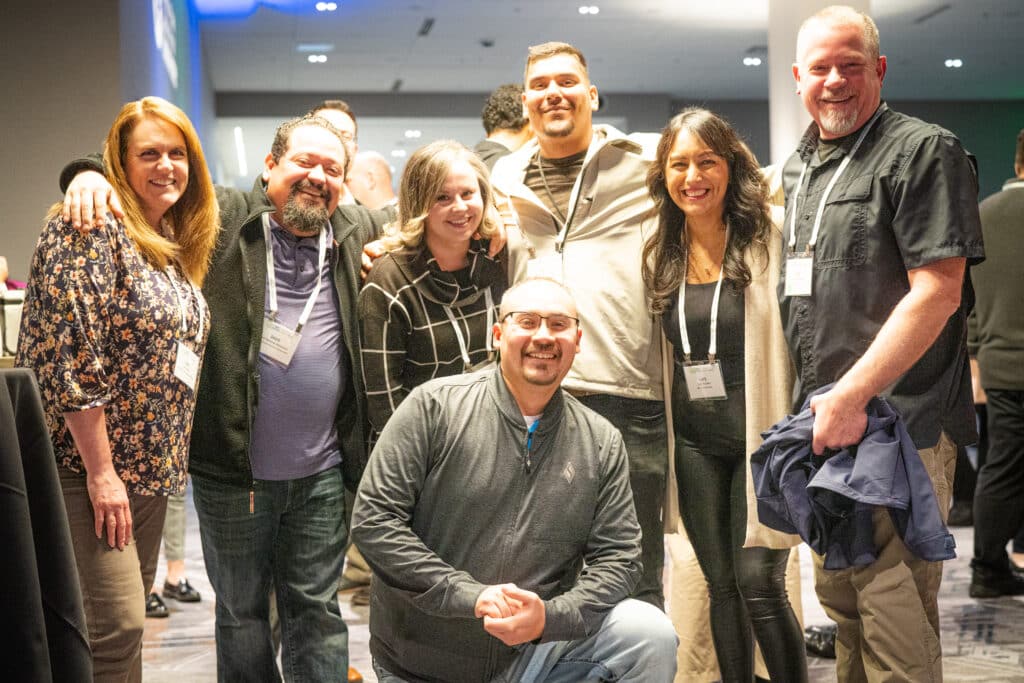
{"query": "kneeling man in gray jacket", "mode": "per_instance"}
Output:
(497, 516)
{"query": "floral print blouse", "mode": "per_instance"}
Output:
(101, 327)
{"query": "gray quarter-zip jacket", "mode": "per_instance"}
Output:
(454, 500)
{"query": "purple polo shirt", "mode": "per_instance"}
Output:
(294, 434)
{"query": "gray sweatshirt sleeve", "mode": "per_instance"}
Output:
(612, 556)
(382, 515)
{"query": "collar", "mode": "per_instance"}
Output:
(1013, 183)
(550, 419)
(279, 232)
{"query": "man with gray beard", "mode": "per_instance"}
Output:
(881, 220)
(278, 432)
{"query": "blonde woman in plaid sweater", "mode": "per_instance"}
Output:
(428, 305)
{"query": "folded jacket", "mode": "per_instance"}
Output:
(828, 500)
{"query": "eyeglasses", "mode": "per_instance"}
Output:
(528, 321)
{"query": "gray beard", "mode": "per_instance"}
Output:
(837, 124)
(304, 219)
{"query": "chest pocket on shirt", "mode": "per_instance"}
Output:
(843, 240)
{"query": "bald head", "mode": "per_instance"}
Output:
(369, 180)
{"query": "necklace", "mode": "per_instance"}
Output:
(702, 267)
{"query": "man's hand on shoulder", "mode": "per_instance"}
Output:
(371, 252)
(526, 622)
(839, 420)
(88, 199)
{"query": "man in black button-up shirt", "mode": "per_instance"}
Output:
(879, 308)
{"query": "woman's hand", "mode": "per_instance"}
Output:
(111, 510)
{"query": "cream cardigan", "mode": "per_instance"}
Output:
(768, 379)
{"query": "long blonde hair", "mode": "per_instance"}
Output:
(422, 180)
(193, 218)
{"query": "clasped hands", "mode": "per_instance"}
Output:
(511, 614)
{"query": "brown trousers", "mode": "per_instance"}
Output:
(114, 582)
(887, 612)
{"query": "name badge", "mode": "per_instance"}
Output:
(186, 366)
(704, 381)
(799, 275)
(278, 342)
(549, 266)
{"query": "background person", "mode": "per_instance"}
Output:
(505, 124)
(428, 306)
(115, 328)
(711, 272)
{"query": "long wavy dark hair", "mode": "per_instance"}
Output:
(746, 208)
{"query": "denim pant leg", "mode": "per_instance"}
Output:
(642, 424)
(237, 549)
(308, 555)
(636, 642)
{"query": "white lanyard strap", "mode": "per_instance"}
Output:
(828, 189)
(713, 342)
(489, 300)
(272, 277)
(183, 304)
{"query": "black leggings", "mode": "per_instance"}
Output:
(747, 586)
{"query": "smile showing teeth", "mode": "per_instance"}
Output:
(541, 356)
(694, 194)
(163, 183)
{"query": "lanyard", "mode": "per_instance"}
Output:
(272, 277)
(566, 220)
(828, 189)
(183, 304)
(713, 343)
(489, 300)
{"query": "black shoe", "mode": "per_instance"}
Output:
(961, 514)
(183, 592)
(820, 641)
(155, 607)
(986, 583)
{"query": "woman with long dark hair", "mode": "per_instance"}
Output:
(711, 270)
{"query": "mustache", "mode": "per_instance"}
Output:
(306, 186)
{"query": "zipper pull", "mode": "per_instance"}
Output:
(529, 444)
(252, 502)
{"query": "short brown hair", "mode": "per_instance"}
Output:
(538, 52)
(1018, 160)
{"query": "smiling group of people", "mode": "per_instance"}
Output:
(521, 359)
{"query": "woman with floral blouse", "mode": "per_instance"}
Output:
(114, 326)
(428, 305)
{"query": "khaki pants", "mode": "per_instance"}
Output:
(114, 582)
(887, 612)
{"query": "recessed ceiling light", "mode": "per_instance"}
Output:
(589, 9)
(326, 6)
(751, 61)
(398, 153)
(413, 133)
(318, 48)
(316, 59)
(954, 63)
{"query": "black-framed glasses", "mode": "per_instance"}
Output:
(528, 321)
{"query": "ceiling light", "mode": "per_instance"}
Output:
(326, 6)
(413, 133)
(318, 48)
(243, 167)
(954, 63)
(751, 61)
(316, 59)
(398, 153)
(589, 9)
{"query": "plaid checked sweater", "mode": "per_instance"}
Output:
(407, 335)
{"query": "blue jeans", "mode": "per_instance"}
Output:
(636, 642)
(642, 424)
(294, 540)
